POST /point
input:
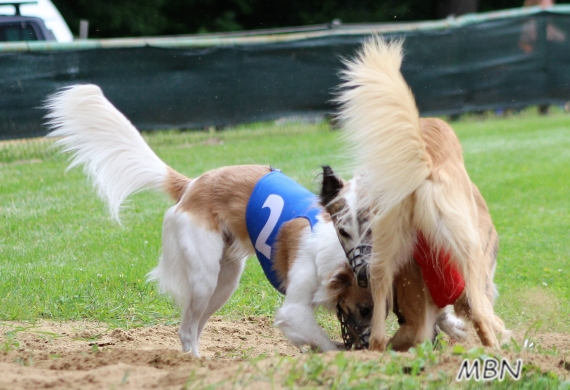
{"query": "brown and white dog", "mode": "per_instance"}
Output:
(417, 189)
(205, 239)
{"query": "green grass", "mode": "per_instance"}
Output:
(62, 257)
(423, 367)
(522, 166)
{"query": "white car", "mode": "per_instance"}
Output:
(42, 9)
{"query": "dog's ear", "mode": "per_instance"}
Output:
(342, 280)
(330, 186)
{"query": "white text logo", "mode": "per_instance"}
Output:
(489, 369)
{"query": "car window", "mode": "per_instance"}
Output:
(17, 32)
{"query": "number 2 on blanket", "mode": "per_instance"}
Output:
(275, 204)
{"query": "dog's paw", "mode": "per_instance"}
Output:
(378, 343)
(339, 345)
(326, 347)
(453, 326)
(505, 336)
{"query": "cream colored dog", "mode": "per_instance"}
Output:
(416, 185)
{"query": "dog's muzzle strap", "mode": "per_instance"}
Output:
(357, 257)
(347, 336)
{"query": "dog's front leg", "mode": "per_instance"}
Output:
(296, 318)
(415, 306)
(380, 294)
(298, 323)
(392, 242)
(451, 324)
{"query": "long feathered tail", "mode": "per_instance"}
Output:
(113, 153)
(381, 120)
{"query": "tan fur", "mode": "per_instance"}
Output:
(442, 147)
(490, 244)
(416, 180)
(394, 233)
(335, 209)
(343, 287)
(219, 197)
(445, 151)
(326, 217)
(375, 92)
(175, 184)
(489, 241)
(287, 247)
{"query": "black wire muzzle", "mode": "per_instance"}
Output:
(358, 258)
(352, 333)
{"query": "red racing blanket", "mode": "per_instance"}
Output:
(442, 278)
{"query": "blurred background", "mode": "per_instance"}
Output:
(213, 64)
(133, 18)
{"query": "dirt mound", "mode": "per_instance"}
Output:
(82, 355)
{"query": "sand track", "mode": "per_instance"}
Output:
(82, 355)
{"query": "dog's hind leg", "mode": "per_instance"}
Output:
(463, 309)
(188, 270)
(228, 280)
(448, 216)
(480, 307)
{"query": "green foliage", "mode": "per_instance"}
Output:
(159, 17)
(421, 367)
(109, 19)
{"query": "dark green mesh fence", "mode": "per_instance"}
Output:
(477, 62)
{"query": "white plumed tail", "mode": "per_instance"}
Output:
(113, 153)
(381, 122)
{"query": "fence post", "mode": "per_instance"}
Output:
(83, 29)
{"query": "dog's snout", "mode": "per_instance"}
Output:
(362, 275)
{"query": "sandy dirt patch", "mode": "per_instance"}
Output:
(83, 355)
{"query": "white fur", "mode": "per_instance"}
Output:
(101, 139)
(319, 256)
(452, 325)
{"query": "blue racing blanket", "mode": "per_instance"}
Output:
(276, 199)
